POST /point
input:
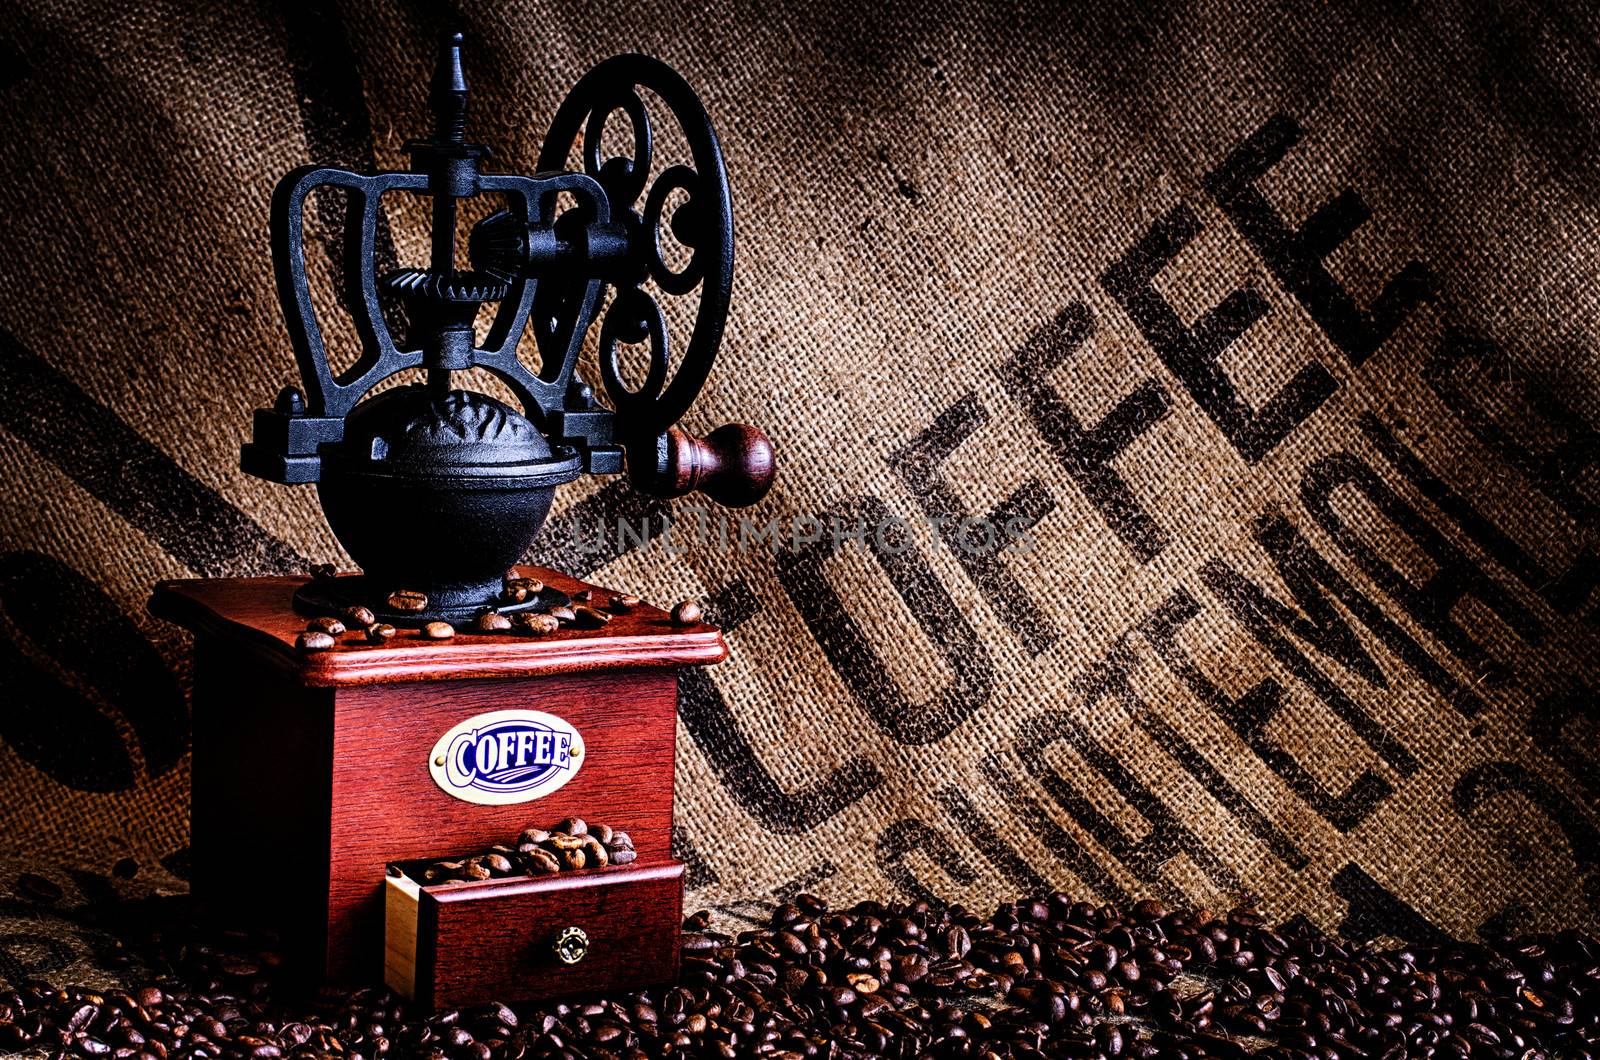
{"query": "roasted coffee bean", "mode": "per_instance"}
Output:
(520, 590)
(331, 626)
(534, 625)
(622, 857)
(574, 859)
(491, 622)
(309, 642)
(438, 631)
(620, 839)
(125, 868)
(541, 862)
(408, 600)
(572, 826)
(442, 870)
(589, 618)
(498, 864)
(624, 602)
(563, 614)
(323, 572)
(601, 832)
(686, 613)
(358, 617)
(379, 632)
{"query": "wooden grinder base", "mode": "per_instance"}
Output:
(311, 776)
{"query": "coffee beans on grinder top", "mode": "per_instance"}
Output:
(324, 632)
(572, 843)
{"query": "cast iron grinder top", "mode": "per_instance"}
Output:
(440, 490)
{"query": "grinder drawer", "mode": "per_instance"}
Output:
(528, 938)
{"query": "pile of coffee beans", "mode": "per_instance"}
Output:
(1048, 977)
(572, 843)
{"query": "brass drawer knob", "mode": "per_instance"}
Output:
(571, 945)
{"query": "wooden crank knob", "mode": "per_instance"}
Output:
(733, 465)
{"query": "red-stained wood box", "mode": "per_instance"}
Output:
(314, 772)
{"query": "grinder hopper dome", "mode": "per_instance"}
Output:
(474, 476)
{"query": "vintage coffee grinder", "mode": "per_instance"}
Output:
(467, 697)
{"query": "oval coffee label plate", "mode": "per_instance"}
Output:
(506, 756)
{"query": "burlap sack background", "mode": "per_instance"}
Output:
(1348, 675)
